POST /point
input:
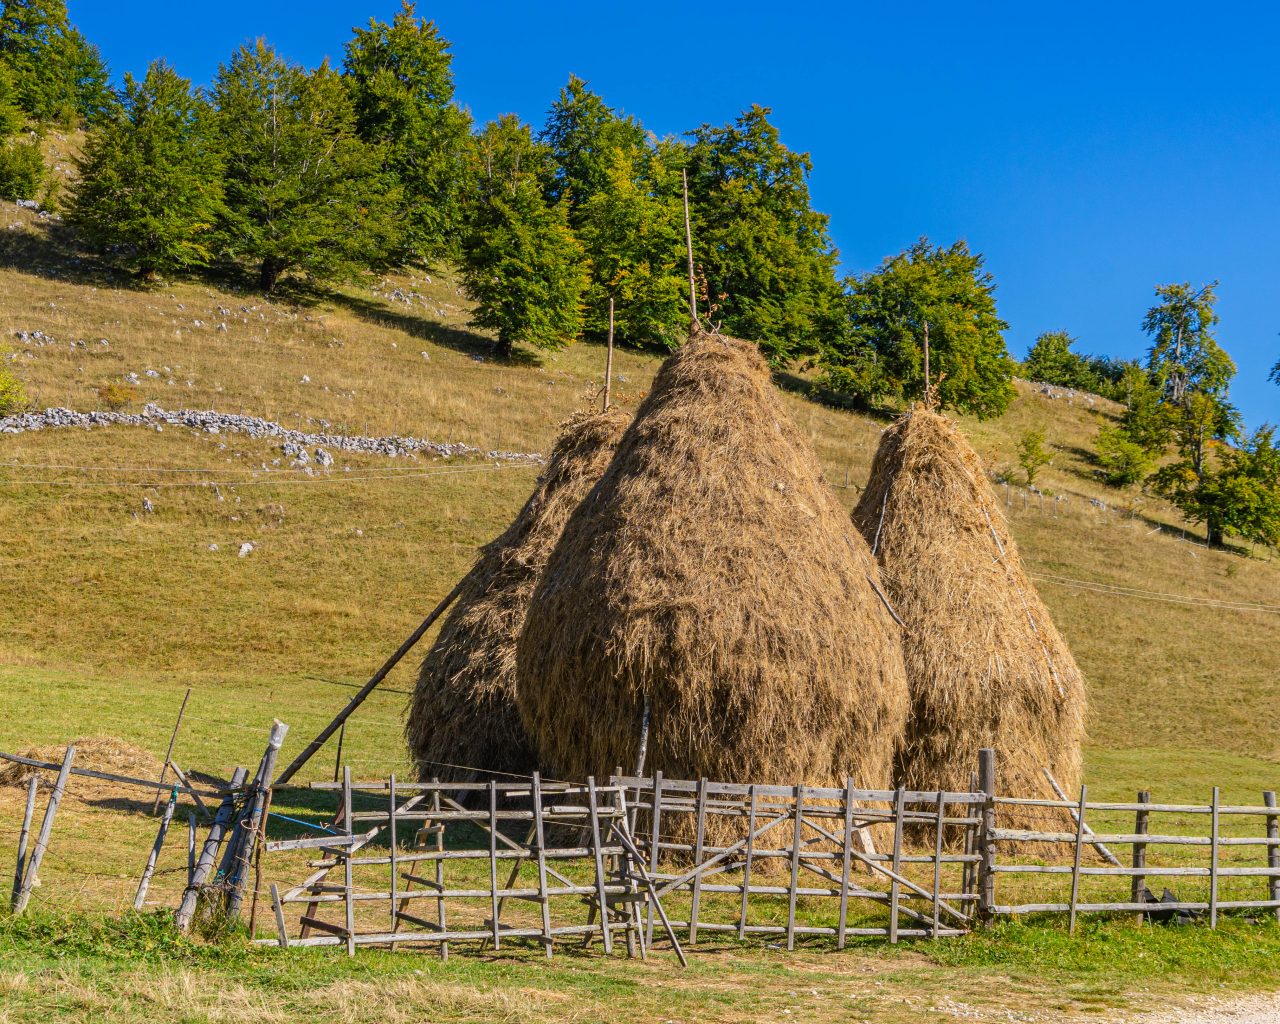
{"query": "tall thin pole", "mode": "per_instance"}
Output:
(928, 392)
(169, 755)
(608, 363)
(688, 244)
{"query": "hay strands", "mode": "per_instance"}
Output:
(124, 780)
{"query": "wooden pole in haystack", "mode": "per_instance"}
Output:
(300, 761)
(608, 363)
(928, 389)
(688, 244)
(31, 878)
(169, 753)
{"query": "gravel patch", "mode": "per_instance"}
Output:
(210, 422)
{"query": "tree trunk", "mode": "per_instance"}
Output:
(269, 274)
(1213, 532)
(502, 348)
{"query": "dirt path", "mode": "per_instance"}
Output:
(1263, 1009)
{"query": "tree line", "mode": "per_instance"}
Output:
(283, 172)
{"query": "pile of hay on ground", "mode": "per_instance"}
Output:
(463, 711)
(713, 576)
(96, 753)
(986, 666)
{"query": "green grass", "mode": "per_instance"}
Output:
(108, 614)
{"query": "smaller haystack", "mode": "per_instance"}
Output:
(463, 711)
(97, 753)
(712, 577)
(985, 664)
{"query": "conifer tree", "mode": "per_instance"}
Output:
(303, 192)
(767, 259)
(150, 185)
(21, 164)
(583, 135)
(401, 79)
(58, 74)
(520, 263)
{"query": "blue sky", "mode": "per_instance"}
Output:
(1091, 151)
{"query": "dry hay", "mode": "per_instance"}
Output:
(713, 576)
(463, 715)
(96, 753)
(986, 666)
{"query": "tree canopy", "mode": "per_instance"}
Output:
(303, 191)
(401, 79)
(947, 292)
(150, 188)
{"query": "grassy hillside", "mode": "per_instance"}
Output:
(109, 612)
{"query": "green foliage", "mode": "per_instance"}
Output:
(401, 79)
(11, 116)
(888, 310)
(584, 136)
(633, 232)
(21, 169)
(1052, 361)
(13, 397)
(115, 396)
(1032, 455)
(1274, 375)
(303, 192)
(58, 75)
(1122, 460)
(1184, 356)
(521, 263)
(150, 185)
(763, 252)
(1239, 497)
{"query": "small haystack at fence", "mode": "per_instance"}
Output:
(986, 666)
(463, 709)
(711, 584)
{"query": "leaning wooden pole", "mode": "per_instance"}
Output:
(31, 877)
(688, 244)
(298, 762)
(141, 898)
(204, 866)
(24, 836)
(169, 753)
(252, 825)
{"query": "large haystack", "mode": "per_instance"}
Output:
(986, 665)
(463, 711)
(713, 576)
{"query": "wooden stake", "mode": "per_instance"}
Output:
(298, 762)
(1213, 861)
(987, 839)
(899, 812)
(393, 839)
(797, 819)
(699, 835)
(169, 753)
(191, 846)
(32, 876)
(594, 812)
(1140, 824)
(655, 820)
(24, 837)
(846, 864)
(1075, 869)
(208, 855)
(608, 363)
(539, 837)
(282, 936)
(495, 907)
(253, 822)
(150, 869)
(688, 242)
(928, 388)
(644, 740)
(348, 884)
(1273, 850)
(937, 860)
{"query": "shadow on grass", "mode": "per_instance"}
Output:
(832, 399)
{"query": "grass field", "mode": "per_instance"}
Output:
(108, 613)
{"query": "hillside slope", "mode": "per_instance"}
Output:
(109, 610)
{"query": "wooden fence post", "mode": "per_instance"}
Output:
(1273, 850)
(986, 841)
(899, 812)
(1213, 861)
(1141, 821)
(204, 866)
(24, 837)
(1075, 868)
(32, 874)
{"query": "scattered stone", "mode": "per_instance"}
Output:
(245, 548)
(153, 373)
(147, 506)
(306, 379)
(324, 458)
(213, 547)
